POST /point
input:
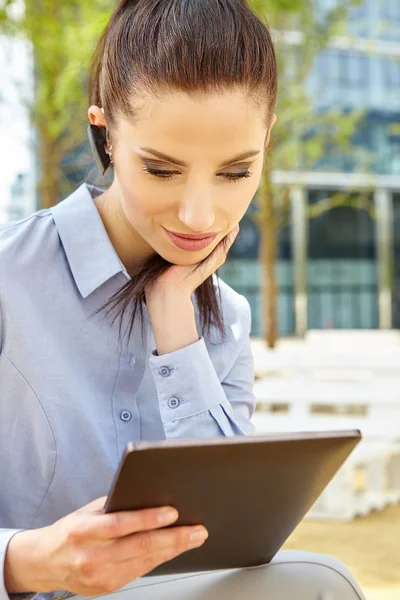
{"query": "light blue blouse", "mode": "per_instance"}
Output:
(71, 398)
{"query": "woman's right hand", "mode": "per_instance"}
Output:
(89, 552)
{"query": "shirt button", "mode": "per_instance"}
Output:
(132, 360)
(126, 415)
(173, 402)
(165, 371)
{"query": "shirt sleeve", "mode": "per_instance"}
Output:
(5, 538)
(1, 328)
(194, 402)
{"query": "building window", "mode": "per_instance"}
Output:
(391, 10)
(341, 272)
(359, 11)
(345, 231)
(348, 69)
(391, 73)
(353, 69)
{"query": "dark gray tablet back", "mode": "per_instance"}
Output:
(250, 492)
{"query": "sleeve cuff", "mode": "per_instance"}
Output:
(186, 382)
(5, 538)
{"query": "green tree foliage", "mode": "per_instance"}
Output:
(62, 35)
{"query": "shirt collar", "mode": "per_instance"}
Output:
(89, 251)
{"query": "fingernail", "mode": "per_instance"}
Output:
(198, 536)
(167, 515)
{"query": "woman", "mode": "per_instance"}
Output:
(184, 93)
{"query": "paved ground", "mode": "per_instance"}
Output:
(369, 546)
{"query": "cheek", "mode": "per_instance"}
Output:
(143, 202)
(133, 205)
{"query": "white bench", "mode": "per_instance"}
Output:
(368, 481)
(348, 351)
(293, 403)
(313, 386)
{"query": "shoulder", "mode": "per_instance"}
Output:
(14, 229)
(20, 241)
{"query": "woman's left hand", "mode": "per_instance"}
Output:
(184, 280)
(169, 303)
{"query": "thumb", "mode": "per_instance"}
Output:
(96, 505)
(232, 235)
(225, 245)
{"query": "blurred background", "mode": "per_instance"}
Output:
(317, 255)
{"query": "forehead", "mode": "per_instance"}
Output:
(224, 120)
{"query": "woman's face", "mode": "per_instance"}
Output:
(190, 166)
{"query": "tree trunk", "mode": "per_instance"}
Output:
(49, 183)
(268, 251)
(45, 113)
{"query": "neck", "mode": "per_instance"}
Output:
(131, 248)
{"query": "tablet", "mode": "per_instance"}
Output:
(250, 492)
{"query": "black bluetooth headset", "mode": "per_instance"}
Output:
(98, 138)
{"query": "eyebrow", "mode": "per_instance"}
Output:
(181, 163)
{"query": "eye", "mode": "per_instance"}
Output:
(160, 173)
(235, 177)
(167, 175)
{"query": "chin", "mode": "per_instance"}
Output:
(184, 258)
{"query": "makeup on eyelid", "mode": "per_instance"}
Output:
(158, 169)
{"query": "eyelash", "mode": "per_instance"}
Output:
(167, 175)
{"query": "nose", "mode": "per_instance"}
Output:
(196, 211)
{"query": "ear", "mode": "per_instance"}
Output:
(96, 116)
(268, 135)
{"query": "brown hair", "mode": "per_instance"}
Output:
(188, 46)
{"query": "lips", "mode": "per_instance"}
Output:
(191, 243)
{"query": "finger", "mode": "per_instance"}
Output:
(225, 245)
(145, 564)
(111, 526)
(113, 577)
(227, 241)
(232, 235)
(217, 257)
(143, 555)
(178, 539)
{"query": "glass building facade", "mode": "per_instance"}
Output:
(350, 254)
